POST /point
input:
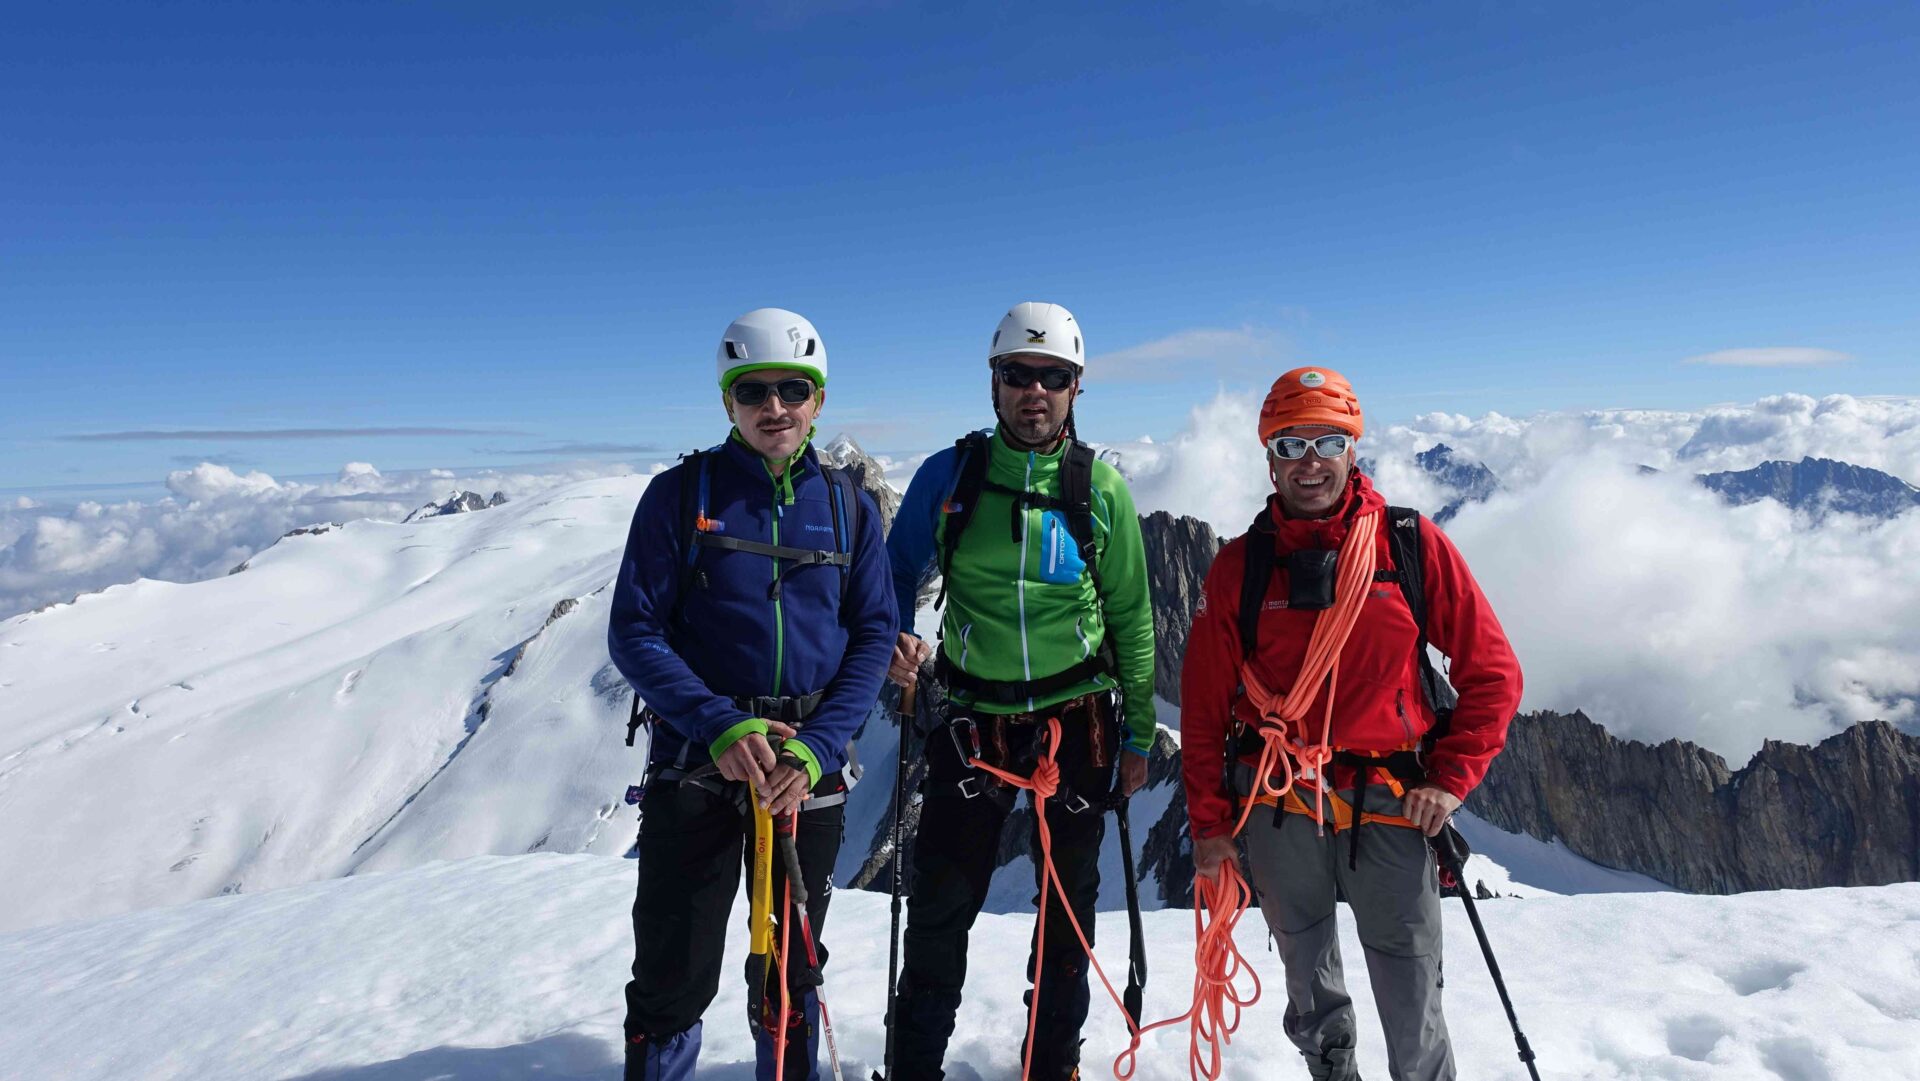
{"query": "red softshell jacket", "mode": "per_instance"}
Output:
(1378, 705)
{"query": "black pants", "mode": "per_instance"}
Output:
(954, 857)
(693, 845)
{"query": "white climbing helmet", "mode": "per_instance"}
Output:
(771, 338)
(1046, 329)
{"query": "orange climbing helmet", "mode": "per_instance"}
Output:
(1304, 396)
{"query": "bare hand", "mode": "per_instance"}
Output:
(1212, 853)
(1133, 772)
(1429, 806)
(749, 759)
(909, 652)
(786, 786)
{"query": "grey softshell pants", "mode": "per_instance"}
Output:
(1297, 873)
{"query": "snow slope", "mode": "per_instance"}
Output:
(511, 967)
(363, 698)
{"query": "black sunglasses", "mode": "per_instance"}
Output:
(1018, 375)
(753, 392)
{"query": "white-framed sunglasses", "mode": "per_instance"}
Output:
(1294, 447)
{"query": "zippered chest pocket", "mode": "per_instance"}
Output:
(1060, 560)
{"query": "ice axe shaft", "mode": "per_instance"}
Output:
(1452, 850)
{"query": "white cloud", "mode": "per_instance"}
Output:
(1187, 353)
(1773, 356)
(24, 503)
(212, 520)
(1641, 597)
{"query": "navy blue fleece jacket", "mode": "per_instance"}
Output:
(689, 656)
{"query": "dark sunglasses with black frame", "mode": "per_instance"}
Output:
(1020, 376)
(753, 392)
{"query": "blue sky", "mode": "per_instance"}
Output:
(459, 234)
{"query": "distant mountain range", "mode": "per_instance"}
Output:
(1818, 486)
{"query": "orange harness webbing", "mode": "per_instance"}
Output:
(1219, 903)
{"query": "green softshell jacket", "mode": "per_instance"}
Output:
(1021, 604)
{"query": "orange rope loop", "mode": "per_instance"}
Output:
(1044, 783)
(1284, 746)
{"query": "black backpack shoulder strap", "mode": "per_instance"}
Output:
(1253, 586)
(1403, 540)
(962, 499)
(1076, 495)
(693, 498)
(844, 497)
(693, 483)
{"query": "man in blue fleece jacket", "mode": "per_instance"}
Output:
(754, 615)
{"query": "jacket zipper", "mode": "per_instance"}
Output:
(779, 615)
(1400, 707)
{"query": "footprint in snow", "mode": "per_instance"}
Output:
(1695, 1037)
(1763, 975)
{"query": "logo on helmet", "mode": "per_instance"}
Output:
(1312, 379)
(1036, 337)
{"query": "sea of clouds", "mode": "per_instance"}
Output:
(212, 519)
(1637, 596)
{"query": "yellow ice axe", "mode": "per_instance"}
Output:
(760, 906)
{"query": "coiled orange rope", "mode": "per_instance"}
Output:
(1220, 902)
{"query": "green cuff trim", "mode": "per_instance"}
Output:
(750, 726)
(805, 754)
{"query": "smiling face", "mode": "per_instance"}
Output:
(1032, 416)
(774, 428)
(1310, 487)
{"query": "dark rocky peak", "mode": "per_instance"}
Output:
(844, 452)
(1466, 481)
(1471, 482)
(456, 503)
(1818, 486)
(1844, 812)
(1179, 551)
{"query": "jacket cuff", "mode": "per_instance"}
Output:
(804, 753)
(733, 735)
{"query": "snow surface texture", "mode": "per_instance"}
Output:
(497, 968)
(1640, 597)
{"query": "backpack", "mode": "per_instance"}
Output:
(1075, 502)
(1403, 541)
(844, 502)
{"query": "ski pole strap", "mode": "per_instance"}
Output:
(1010, 693)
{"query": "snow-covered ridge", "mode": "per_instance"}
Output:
(359, 699)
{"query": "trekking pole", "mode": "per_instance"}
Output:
(1452, 850)
(790, 855)
(1136, 936)
(904, 712)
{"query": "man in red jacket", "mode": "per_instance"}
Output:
(1327, 676)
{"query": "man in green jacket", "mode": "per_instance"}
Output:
(1046, 617)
